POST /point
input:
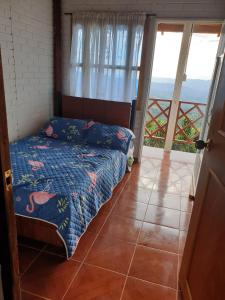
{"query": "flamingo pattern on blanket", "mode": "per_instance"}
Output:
(39, 198)
(63, 183)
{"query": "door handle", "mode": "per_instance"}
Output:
(200, 144)
(8, 180)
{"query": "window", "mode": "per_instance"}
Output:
(167, 50)
(105, 56)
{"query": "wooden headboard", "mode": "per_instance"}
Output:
(104, 111)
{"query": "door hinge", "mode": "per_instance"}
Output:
(8, 180)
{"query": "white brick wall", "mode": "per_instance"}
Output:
(26, 41)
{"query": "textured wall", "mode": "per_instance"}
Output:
(27, 54)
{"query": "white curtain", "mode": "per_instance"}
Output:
(105, 55)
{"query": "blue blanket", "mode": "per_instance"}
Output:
(63, 183)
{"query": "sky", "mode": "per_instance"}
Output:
(201, 58)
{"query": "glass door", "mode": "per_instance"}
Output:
(184, 60)
(196, 86)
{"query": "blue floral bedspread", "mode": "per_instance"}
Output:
(63, 183)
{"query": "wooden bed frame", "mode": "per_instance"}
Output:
(104, 111)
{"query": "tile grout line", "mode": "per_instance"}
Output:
(177, 228)
(160, 206)
(97, 235)
(136, 245)
(38, 255)
(160, 250)
(102, 268)
(33, 294)
(140, 220)
(30, 247)
(153, 283)
(124, 275)
(178, 254)
(34, 259)
(178, 261)
(132, 258)
(178, 271)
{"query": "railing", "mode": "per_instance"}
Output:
(188, 124)
(157, 117)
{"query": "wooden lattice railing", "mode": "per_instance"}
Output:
(189, 121)
(157, 117)
(188, 124)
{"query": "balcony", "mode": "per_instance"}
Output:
(188, 124)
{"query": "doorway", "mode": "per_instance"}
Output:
(183, 72)
(183, 65)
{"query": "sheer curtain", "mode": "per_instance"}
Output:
(105, 55)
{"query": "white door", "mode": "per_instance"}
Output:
(212, 92)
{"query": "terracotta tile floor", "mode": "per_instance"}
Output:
(131, 251)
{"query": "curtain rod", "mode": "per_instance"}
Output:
(125, 12)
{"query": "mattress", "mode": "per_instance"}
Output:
(63, 183)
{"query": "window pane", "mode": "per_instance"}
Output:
(93, 82)
(200, 66)
(121, 46)
(134, 84)
(101, 85)
(77, 45)
(118, 83)
(94, 44)
(166, 57)
(138, 46)
(109, 45)
(76, 81)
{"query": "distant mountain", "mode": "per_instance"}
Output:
(192, 89)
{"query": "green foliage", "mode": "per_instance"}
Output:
(184, 147)
(64, 223)
(62, 205)
(181, 138)
(152, 126)
(28, 178)
(190, 133)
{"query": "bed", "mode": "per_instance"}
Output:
(61, 179)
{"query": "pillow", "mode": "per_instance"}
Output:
(72, 130)
(109, 136)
